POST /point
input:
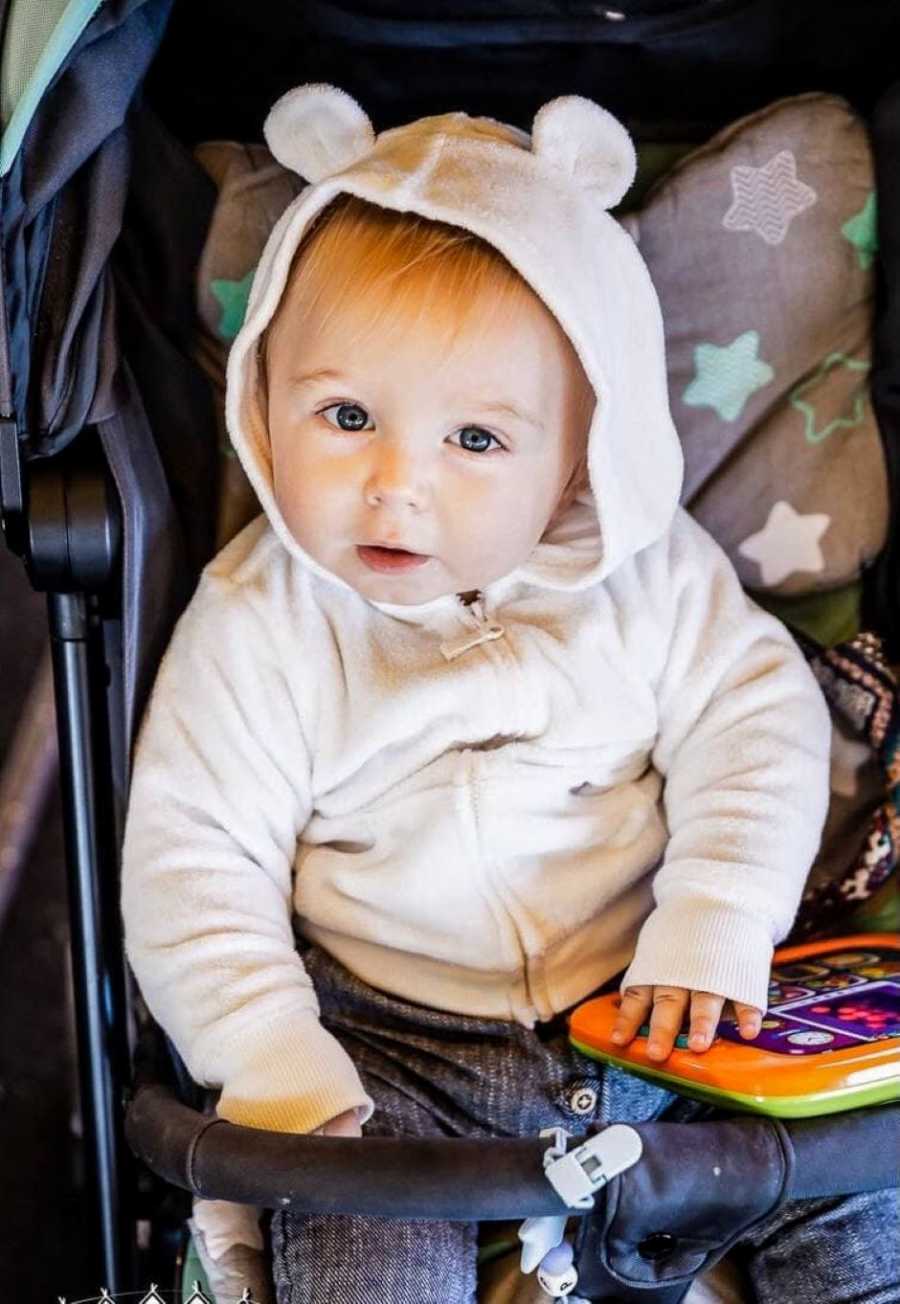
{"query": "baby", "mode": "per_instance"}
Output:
(474, 716)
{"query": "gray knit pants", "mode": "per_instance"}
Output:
(432, 1073)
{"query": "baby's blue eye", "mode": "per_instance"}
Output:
(478, 444)
(349, 416)
(353, 417)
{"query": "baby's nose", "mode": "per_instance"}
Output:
(397, 479)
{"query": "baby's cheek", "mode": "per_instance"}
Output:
(300, 506)
(302, 485)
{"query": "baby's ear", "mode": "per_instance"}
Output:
(588, 143)
(317, 130)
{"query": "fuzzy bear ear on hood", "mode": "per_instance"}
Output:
(588, 144)
(318, 130)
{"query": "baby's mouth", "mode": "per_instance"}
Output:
(383, 559)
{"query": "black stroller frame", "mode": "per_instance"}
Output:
(111, 527)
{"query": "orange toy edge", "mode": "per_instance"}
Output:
(726, 1061)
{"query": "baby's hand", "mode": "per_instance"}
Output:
(669, 1006)
(346, 1124)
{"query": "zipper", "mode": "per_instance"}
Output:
(474, 764)
(482, 629)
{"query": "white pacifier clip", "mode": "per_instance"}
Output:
(576, 1176)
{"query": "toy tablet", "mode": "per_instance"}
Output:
(830, 1039)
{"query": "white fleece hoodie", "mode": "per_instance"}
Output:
(613, 758)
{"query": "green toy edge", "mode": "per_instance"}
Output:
(826, 1102)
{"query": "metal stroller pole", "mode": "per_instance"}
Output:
(73, 526)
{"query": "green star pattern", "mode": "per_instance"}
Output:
(808, 412)
(726, 377)
(233, 296)
(862, 232)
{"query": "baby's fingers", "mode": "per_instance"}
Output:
(706, 1010)
(669, 1005)
(346, 1124)
(749, 1020)
(636, 1002)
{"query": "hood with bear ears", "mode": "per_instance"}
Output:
(541, 201)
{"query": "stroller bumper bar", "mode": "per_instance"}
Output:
(377, 1176)
(496, 1179)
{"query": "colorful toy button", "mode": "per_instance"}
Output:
(681, 1041)
(850, 959)
(798, 972)
(810, 1038)
(884, 969)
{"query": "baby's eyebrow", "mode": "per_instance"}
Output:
(511, 409)
(310, 377)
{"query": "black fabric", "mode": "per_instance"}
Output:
(676, 70)
(170, 206)
(881, 605)
(104, 217)
(74, 351)
(62, 203)
(670, 1217)
(685, 1205)
(857, 1150)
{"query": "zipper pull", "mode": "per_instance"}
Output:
(476, 610)
(485, 631)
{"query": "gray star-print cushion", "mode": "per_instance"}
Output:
(760, 244)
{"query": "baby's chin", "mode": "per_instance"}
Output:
(411, 588)
(407, 590)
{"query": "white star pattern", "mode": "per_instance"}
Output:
(767, 199)
(787, 543)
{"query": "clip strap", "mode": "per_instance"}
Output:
(578, 1174)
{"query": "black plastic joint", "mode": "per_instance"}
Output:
(12, 485)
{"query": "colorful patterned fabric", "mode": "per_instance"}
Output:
(862, 693)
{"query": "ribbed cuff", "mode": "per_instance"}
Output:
(290, 1076)
(704, 947)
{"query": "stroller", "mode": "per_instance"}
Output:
(109, 471)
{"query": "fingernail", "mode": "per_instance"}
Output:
(698, 1040)
(618, 1035)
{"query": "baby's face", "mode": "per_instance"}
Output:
(457, 455)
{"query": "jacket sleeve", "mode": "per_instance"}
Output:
(743, 743)
(220, 793)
